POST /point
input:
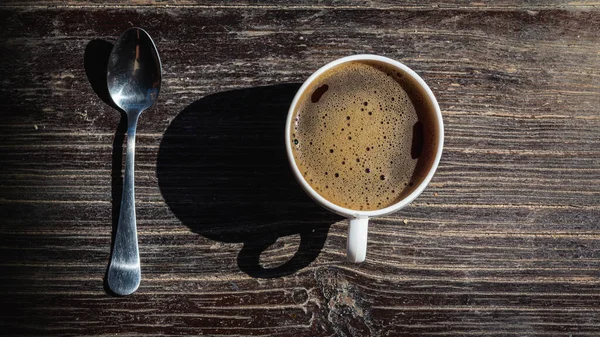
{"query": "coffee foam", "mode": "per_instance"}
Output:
(359, 139)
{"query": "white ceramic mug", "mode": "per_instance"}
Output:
(359, 220)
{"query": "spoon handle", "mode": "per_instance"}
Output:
(124, 273)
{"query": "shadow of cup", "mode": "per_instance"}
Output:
(223, 171)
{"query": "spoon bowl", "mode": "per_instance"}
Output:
(134, 71)
(133, 78)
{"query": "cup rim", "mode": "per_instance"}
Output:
(348, 212)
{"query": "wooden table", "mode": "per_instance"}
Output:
(504, 241)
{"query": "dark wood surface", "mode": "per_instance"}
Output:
(504, 242)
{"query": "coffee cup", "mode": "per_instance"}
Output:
(352, 104)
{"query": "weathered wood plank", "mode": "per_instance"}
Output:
(294, 4)
(504, 242)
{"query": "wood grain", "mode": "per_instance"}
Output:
(322, 4)
(504, 241)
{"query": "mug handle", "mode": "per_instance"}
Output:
(356, 250)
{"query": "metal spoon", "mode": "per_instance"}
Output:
(133, 77)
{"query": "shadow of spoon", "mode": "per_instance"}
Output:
(95, 61)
